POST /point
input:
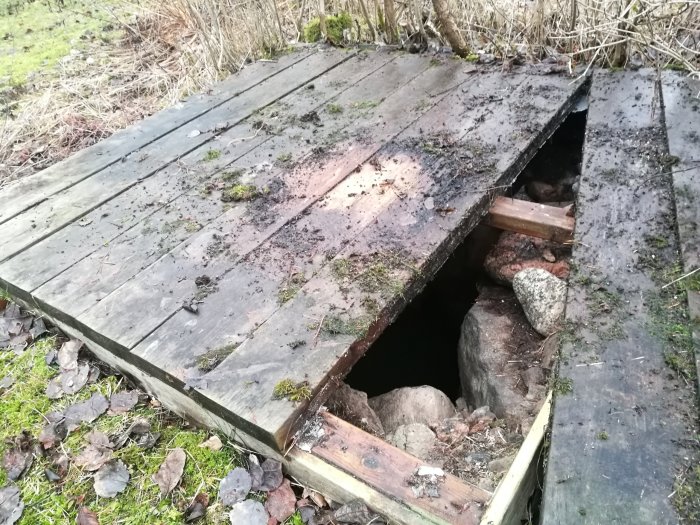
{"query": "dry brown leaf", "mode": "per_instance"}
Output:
(170, 471)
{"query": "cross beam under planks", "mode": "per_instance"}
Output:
(537, 220)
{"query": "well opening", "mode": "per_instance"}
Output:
(427, 343)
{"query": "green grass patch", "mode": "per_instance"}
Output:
(240, 192)
(334, 108)
(37, 34)
(23, 407)
(294, 391)
(212, 154)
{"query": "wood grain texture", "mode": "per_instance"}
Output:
(387, 469)
(115, 241)
(617, 435)
(28, 192)
(405, 245)
(531, 218)
(75, 202)
(246, 227)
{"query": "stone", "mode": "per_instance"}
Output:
(352, 406)
(416, 439)
(496, 344)
(543, 298)
(514, 252)
(501, 465)
(403, 406)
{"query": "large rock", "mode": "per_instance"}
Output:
(515, 252)
(416, 439)
(403, 406)
(496, 346)
(352, 406)
(543, 298)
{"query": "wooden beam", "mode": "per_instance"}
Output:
(513, 492)
(386, 468)
(531, 218)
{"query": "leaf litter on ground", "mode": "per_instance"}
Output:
(235, 486)
(87, 517)
(11, 505)
(122, 402)
(170, 472)
(111, 479)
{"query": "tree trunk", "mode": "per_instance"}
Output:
(449, 28)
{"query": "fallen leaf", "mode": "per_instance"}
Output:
(72, 381)
(87, 517)
(51, 475)
(122, 402)
(198, 508)
(51, 356)
(11, 505)
(354, 512)
(55, 430)
(235, 486)
(85, 412)
(250, 512)
(140, 427)
(94, 374)
(271, 476)
(93, 457)
(194, 133)
(147, 440)
(281, 503)
(68, 354)
(54, 390)
(111, 479)
(19, 342)
(38, 328)
(170, 471)
(213, 443)
(6, 382)
(16, 462)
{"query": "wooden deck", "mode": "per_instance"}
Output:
(365, 169)
(623, 416)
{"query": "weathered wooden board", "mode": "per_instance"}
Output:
(22, 195)
(378, 463)
(249, 225)
(681, 97)
(362, 289)
(76, 201)
(108, 232)
(531, 218)
(621, 414)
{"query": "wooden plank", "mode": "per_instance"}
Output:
(682, 118)
(387, 469)
(530, 218)
(161, 297)
(75, 202)
(313, 472)
(302, 247)
(29, 191)
(618, 434)
(143, 214)
(405, 244)
(509, 502)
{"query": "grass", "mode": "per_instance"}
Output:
(37, 34)
(334, 108)
(686, 496)
(291, 287)
(23, 407)
(211, 155)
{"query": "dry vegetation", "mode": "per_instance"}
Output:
(166, 50)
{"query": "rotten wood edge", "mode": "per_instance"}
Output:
(510, 498)
(311, 471)
(530, 218)
(387, 469)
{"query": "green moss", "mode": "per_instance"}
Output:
(473, 57)
(231, 176)
(212, 154)
(563, 386)
(294, 391)
(602, 301)
(290, 288)
(365, 104)
(4, 294)
(335, 25)
(342, 325)
(602, 435)
(284, 159)
(334, 108)
(341, 268)
(686, 495)
(240, 192)
(213, 358)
